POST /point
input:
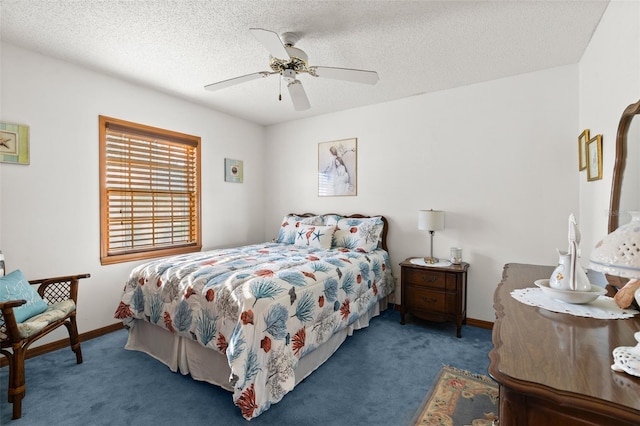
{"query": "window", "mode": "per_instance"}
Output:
(149, 192)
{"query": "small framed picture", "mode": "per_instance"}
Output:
(594, 158)
(233, 170)
(582, 149)
(14, 143)
(337, 168)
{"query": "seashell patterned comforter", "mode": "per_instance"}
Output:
(264, 306)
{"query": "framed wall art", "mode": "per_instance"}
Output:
(14, 143)
(337, 168)
(233, 170)
(594, 158)
(582, 149)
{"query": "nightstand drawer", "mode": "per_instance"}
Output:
(425, 300)
(433, 279)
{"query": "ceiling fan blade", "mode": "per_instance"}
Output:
(236, 80)
(271, 41)
(298, 96)
(348, 74)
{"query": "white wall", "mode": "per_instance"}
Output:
(609, 81)
(498, 157)
(49, 210)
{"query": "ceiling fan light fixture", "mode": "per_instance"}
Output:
(289, 76)
(297, 61)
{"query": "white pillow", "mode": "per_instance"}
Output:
(316, 236)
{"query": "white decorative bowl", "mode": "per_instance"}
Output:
(571, 296)
(618, 253)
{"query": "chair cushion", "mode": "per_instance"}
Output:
(53, 313)
(15, 287)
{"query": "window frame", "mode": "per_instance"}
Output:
(112, 256)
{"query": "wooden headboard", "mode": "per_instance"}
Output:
(385, 224)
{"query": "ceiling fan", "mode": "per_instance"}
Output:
(289, 61)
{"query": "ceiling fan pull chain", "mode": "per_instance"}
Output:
(280, 89)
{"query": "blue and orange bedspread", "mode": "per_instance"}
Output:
(264, 306)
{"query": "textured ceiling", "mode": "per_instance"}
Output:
(178, 47)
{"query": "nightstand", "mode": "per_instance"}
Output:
(434, 292)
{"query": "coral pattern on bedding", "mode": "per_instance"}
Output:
(360, 234)
(264, 306)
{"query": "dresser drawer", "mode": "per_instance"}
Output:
(421, 299)
(433, 279)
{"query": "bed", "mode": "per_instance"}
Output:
(258, 319)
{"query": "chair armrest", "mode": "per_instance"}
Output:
(58, 289)
(8, 320)
(11, 304)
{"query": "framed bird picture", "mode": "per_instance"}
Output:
(337, 163)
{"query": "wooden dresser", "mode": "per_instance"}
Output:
(555, 369)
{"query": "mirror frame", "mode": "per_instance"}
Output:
(619, 165)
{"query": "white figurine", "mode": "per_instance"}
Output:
(569, 274)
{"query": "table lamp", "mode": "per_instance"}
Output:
(431, 220)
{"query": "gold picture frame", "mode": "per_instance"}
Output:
(233, 170)
(594, 158)
(582, 149)
(14, 143)
(337, 168)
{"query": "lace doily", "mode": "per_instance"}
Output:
(420, 261)
(602, 308)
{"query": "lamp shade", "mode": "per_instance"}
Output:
(430, 220)
(618, 253)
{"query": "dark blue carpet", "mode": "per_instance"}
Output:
(380, 376)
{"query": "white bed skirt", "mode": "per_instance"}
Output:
(190, 357)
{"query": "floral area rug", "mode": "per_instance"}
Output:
(460, 398)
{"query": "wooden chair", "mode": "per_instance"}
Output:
(60, 294)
